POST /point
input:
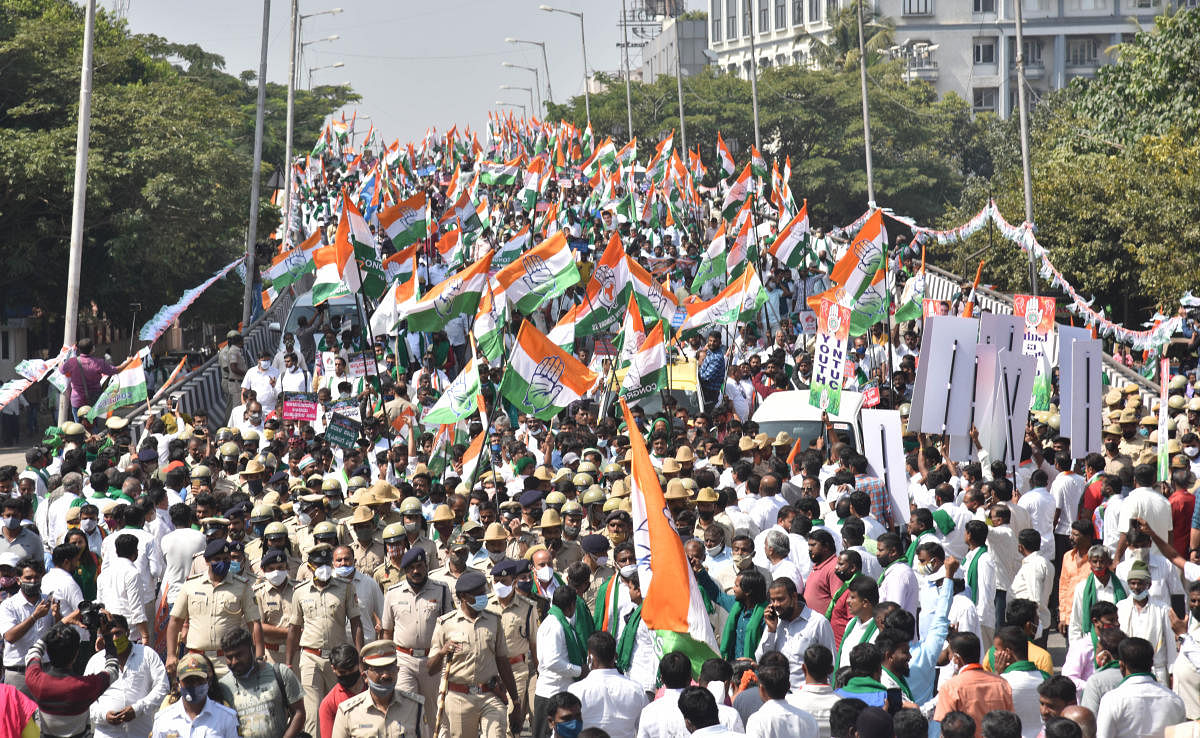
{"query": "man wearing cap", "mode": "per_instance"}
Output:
(595, 555)
(562, 553)
(384, 708)
(194, 714)
(316, 621)
(369, 552)
(468, 643)
(1141, 617)
(519, 623)
(411, 609)
(211, 604)
(232, 359)
(455, 564)
(273, 592)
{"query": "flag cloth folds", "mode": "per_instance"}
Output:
(601, 308)
(859, 266)
(739, 301)
(912, 299)
(367, 272)
(737, 194)
(712, 266)
(512, 248)
(791, 245)
(724, 155)
(672, 607)
(457, 294)
(126, 387)
(477, 455)
(397, 299)
(647, 372)
(500, 173)
(541, 379)
(542, 273)
(458, 401)
(284, 270)
(633, 332)
(490, 319)
(407, 221)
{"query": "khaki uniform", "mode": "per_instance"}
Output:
(1132, 447)
(1113, 464)
(368, 558)
(233, 369)
(358, 717)
(445, 576)
(211, 610)
(568, 553)
(520, 543)
(321, 613)
(433, 554)
(599, 577)
(473, 708)
(387, 575)
(519, 623)
(274, 604)
(412, 616)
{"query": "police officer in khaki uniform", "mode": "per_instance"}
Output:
(470, 645)
(412, 519)
(495, 541)
(214, 529)
(273, 592)
(456, 563)
(212, 604)
(595, 555)
(316, 624)
(310, 513)
(359, 533)
(391, 571)
(232, 360)
(562, 553)
(519, 623)
(411, 608)
(275, 538)
(383, 709)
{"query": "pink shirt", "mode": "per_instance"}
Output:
(85, 373)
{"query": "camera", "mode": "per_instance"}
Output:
(93, 617)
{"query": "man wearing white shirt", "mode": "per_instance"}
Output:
(1144, 503)
(117, 585)
(1034, 578)
(816, 697)
(1141, 618)
(555, 670)
(777, 550)
(662, 718)
(59, 585)
(1165, 582)
(149, 558)
(1013, 664)
(179, 547)
(1041, 508)
(897, 582)
(701, 716)
(777, 718)
(127, 707)
(1139, 705)
(765, 511)
(263, 378)
(791, 627)
(979, 570)
(25, 617)
(370, 596)
(611, 701)
(1101, 584)
(56, 511)
(293, 377)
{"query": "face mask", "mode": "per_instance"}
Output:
(122, 643)
(10, 585)
(235, 567)
(380, 688)
(304, 519)
(276, 578)
(525, 586)
(1139, 596)
(264, 364)
(32, 590)
(706, 515)
(219, 568)
(323, 573)
(925, 569)
(12, 522)
(628, 571)
(495, 556)
(845, 576)
(568, 729)
(503, 590)
(411, 528)
(1191, 451)
(545, 574)
(1144, 432)
(714, 550)
(255, 418)
(194, 693)
(348, 680)
(741, 560)
(335, 503)
(479, 604)
(1195, 610)
(616, 538)
(87, 525)
(601, 561)
(1112, 446)
(571, 530)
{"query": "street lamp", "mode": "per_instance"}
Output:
(518, 87)
(335, 65)
(587, 100)
(545, 62)
(334, 37)
(514, 105)
(536, 83)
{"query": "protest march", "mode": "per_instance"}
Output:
(563, 435)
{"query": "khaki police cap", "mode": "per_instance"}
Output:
(1113, 397)
(495, 532)
(675, 490)
(361, 514)
(586, 467)
(200, 471)
(685, 455)
(707, 494)
(275, 529)
(619, 489)
(555, 498)
(379, 653)
(254, 466)
(393, 532)
(329, 485)
(542, 473)
(411, 506)
(115, 423)
(550, 519)
(582, 480)
(229, 448)
(593, 495)
(441, 514)
(249, 435)
(571, 507)
(670, 466)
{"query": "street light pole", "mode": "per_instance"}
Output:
(545, 63)
(256, 173)
(524, 113)
(679, 84)
(1023, 110)
(82, 142)
(293, 50)
(587, 98)
(518, 87)
(537, 85)
(866, 111)
(625, 48)
(754, 82)
(335, 65)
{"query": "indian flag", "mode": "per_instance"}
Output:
(912, 299)
(723, 154)
(458, 401)
(490, 318)
(603, 159)
(647, 372)
(477, 455)
(330, 262)
(602, 303)
(126, 387)
(712, 265)
(739, 251)
(541, 379)
(284, 270)
(739, 301)
(858, 267)
(633, 332)
(737, 194)
(672, 608)
(541, 274)
(758, 165)
(563, 332)
(407, 221)
(402, 264)
(512, 248)
(652, 298)
(396, 300)
(534, 184)
(457, 294)
(500, 173)
(791, 245)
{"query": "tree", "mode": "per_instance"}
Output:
(837, 48)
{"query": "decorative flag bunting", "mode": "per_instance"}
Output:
(168, 314)
(541, 379)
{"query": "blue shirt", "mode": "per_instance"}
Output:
(712, 371)
(925, 652)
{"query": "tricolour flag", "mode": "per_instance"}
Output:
(737, 194)
(499, 173)
(912, 299)
(563, 332)
(535, 181)
(724, 155)
(401, 264)
(647, 372)
(791, 245)
(330, 262)
(633, 332)
(284, 270)
(601, 307)
(396, 300)
(407, 221)
(126, 387)
(758, 165)
(712, 265)
(739, 301)
(541, 379)
(477, 455)
(859, 266)
(543, 273)
(458, 401)
(672, 607)
(490, 318)
(512, 248)
(457, 294)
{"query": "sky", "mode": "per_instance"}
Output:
(415, 65)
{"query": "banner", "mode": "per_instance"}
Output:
(1164, 371)
(300, 406)
(833, 329)
(168, 314)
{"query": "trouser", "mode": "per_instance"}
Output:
(540, 707)
(1001, 605)
(273, 653)
(1062, 544)
(986, 632)
(475, 715)
(317, 677)
(14, 678)
(521, 706)
(1187, 686)
(412, 676)
(10, 429)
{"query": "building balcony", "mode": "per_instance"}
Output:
(926, 72)
(1033, 70)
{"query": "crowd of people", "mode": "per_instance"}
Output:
(243, 574)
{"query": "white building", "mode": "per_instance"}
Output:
(963, 46)
(660, 55)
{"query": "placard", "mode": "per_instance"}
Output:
(300, 406)
(806, 322)
(1060, 346)
(328, 359)
(829, 358)
(883, 445)
(359, 364)
(1080, 397)
(1005, 331)
(932, 308)
(342, 431)
(1016, 392)
(1037, 314)
(870, 394)
(945, 377)
(984, 407)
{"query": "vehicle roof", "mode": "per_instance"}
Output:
(793, 405)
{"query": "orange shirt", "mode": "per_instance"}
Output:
(1075, 569)
(975, 692)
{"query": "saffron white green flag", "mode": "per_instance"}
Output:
(712, 264)
(126, 387)
(563, 332)
(535, 182)
(500, 173)
(407, 221)
(723, 154)
(647, 372)
(490, 319)
(396, 300)
(791, 245)
(284, 270)
(541, 274)
(541, 379)
(738, 192)
(458, 401)
(512, 248)
(633, 332)
(457, 294)
(477, 455)
(653, 299)
(739, 301)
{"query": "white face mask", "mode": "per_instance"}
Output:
(323, 573)
(276, 578)
(1191, 451)
(1139, 554)
(545, 574)
(714, 550)
(1139, 596)
(265, 364)
(503, 590)
(601, 561)
(88, 525)
(628, 571)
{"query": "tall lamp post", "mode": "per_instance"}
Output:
(537, 85)
(587, 100)
(545, 62)
(256, 172)
(335, 65)
(518, 87)
(524, 113)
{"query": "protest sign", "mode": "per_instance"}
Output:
(1037, 314)
(1004, 331)
(342, 431)
(883, 445)
(1016, 392)
(359, 365)
(829, 360)
(300, 406)
(945, 377)
(1080, 395)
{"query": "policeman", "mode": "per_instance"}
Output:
(519, 623)
(214, 529)
(316, 624)
(391, 571)
(456, 562)
(595, 555)
(275, 537)
(383, 709)
(413, 520)
(253, 479)
(593, 508)
(572, 516)
(411, 608)
(323, 532)
(311, 512)
(210, 605)
(200, 476)
(469, 644)
(563, 553)
(335, 501)
(232, 360)
(368, 551)
(273, 592)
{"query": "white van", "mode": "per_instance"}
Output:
(789, 411)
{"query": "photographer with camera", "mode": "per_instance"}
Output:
(63, 697)
(25, 617)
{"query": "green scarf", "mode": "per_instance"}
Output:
(863, 685)
(845, 637)
(840, 591)
(575, 650)
(1089, 597)
(1026, 666)
(754, 627)
(585, 624)
(1138, 673)
(910, 555)
(883, 573)
(902, 682)
(628, 638)
(973, 574)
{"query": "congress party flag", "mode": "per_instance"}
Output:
(723, 154)
(512, 248)
(672, 607)
(541, 379)
(397, 300)
(126, 387)
(829, 358)
(631, 335)
(542, 273)
(457, 294)
(739, 301)
(601, 308)
(738, 192)
(712, 265)
(477, 455)
(283, 271)
(859, 266)
(758, 165)
(458, 401)
(534, 183)
(490, 318)
(791, 245)
(407, 221)
(563, 332)
(647, 372)
(500, 173)
(653, 299)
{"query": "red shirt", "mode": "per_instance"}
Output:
(841, 616)
(1182, 503)
(1093, 497)
(328, 709)
(821, 584)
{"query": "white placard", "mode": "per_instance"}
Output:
(983, 406)
(1015, 393)
(1059, 347)
(1004, 331)
(1080, 398)
(883, 445)
(945, 381)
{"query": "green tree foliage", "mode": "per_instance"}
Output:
(169, 164)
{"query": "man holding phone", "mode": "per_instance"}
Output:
(24, 618)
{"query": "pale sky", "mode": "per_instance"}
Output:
(415, 65)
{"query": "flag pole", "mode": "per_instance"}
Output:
(866, 109)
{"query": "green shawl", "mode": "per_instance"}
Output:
(1089, 598)
(837, 594)
(1026, 666)
(973, 574)
(628, 639)
(754, 628)
(576, 653)
(902, 682)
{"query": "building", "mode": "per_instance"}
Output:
(598, 81)
(659, 54)
(963, 46)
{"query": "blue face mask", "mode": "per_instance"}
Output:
(196, 693)
(568, 729)
(259, 530)
(479, 604)
(235, 567)
(220, 569)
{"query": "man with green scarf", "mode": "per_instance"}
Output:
(980, 568)
(1022, 675)
(1101, 584)
(561, 655)
(893, 643)
(861, 599)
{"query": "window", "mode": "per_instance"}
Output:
(764, 16)
(1037, 6)
(731, 20)
(747, 18)
(715, 14)
(797, 12)
(814, 11)
(983, 100)
(1087, 4)
(1145, 4)
(5, 350)
(985, 50)
(1081, 51)
(918, 7)
(780, 14)
(831, 8)
(1032, 48)
(983, 6)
